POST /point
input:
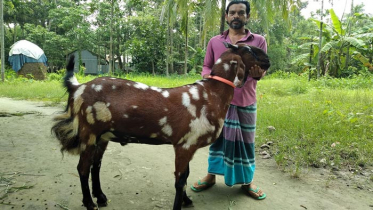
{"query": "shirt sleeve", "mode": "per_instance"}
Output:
(209, 60)
(263, 45)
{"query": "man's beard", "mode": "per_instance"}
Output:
(239, 24)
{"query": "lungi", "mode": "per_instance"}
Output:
(233, 153)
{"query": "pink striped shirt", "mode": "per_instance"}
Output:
(246, 95)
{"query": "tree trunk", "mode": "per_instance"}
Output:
(320, 39)
(186, 48)
(2, 40)
(111, 39)
(172, 67)
(222, 17)
(310, 61)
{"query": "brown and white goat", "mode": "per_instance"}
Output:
(189, 117)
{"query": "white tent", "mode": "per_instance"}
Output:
(26, 48)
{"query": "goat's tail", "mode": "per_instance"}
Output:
(69, 81)
(66, 127)
(65, 130)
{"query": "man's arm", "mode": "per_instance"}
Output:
(208, 61)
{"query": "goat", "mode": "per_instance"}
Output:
(188, 117)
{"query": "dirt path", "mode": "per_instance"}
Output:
(141, 176)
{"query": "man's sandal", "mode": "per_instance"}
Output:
(254, 193)
(201, 186)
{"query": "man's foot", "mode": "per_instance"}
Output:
(203, 184)
(254, 191)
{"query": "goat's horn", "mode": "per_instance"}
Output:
(228, 45)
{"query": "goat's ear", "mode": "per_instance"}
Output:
(229, 45)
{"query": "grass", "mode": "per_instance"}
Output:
(322, 123)
(317, 124)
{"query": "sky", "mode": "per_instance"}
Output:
(339, 6)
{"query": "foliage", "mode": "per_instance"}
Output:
(169, 36)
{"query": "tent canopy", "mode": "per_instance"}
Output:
(23, 52)
(26, 48)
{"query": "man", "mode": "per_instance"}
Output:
(233, 154)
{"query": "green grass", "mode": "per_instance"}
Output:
(51, 90)
(317, 124)
(323, 123)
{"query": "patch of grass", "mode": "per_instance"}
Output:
(329, 126)
(52, 92)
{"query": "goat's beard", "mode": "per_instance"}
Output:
(237, 25)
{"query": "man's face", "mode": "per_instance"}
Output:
(237, 17)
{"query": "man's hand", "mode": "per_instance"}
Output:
(256, 72)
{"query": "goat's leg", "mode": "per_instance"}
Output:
(85, 163)
(95, 172)
(182, 158)
(181, 198)
(186, 200)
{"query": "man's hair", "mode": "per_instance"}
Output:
(239, 2)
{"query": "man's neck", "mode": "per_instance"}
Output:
(237, 32)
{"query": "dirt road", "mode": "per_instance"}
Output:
(141, 176)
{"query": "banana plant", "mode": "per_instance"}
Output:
(337, 45)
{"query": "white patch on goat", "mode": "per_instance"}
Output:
(236, 81)
(218, 61)
(134, 106)
(141, 86)
(192, 110)
(128, 84)
(73, 80)
(163, 121)
(75, 126)
(185, 99)
(194, 92)
(108, 104)
(82, 147)
(113, 87)
(166, 129)
(198, 127)
(78, 100)
(221, 123)
(125, 115)
(226, 66)
(113, 78)
(205, 95)
(98, 88)
(209, 140)
(107, 136)
(90, 118)
(102, 112)
(156, 89)
(165, 94)
(200, 83)
(165, 109)
(153, 135)
(92, 139)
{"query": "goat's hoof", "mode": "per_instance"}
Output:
(91, 206)
(101, 200)
(102, 204)
(187, 202)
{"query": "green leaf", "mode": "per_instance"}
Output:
(355, 42)
(336, 23)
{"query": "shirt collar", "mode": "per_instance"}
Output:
(248, 36)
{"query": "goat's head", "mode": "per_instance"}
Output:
(230, 67)
(250, 56)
